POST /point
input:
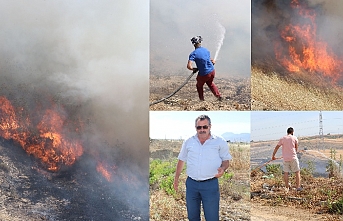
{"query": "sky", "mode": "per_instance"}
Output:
(272, 125)
(180, 124)
(263, 125)
(174, 23)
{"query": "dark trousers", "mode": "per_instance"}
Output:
(208, 79)
(206, 192)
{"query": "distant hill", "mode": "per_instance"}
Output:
(242, 137)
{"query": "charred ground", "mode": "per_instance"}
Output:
(234, 90)
(29, 192)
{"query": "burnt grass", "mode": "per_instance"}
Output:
(235, 92)
(29, 192)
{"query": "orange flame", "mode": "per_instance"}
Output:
(49, 144)
(105, 171)
(304, 50)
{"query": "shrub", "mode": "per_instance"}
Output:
(162, 174)
(333, 168)
(309, 170)
(336, 206)
(274, 169)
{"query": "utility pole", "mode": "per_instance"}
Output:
(321, 135)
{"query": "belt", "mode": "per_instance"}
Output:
(203, 180)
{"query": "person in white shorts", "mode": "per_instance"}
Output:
(289, 145)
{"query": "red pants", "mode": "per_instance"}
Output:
(208, 79)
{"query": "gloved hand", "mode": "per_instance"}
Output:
(213, 61)
(195, 70)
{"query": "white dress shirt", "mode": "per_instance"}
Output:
(203, 160)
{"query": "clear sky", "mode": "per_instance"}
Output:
(180, 124)
(271, 125)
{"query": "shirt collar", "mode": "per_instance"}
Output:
(197, 138)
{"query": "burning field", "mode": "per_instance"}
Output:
(297, 42)
(66, 139)
(57, 163)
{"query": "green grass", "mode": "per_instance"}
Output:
(162, 175)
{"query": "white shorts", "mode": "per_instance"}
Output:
(291, 166)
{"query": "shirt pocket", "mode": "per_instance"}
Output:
(211, 152)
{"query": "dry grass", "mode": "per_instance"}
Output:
(271, 91)
(316, 196)
(235, 190)
(318, 193)
(240, 157)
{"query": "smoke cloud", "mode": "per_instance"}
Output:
(269, 16)
(173, 24)
(89, 57)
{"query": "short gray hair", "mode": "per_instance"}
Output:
(203, 117)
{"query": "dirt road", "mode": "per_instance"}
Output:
(268, 213)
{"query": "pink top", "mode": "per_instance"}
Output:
(288, 143)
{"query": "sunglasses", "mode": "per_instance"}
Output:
(204, 127)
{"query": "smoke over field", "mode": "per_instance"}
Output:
(300, 36)
(65, 75)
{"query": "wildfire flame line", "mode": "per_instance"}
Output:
(46, 141)
(304, 50)
(106, 171)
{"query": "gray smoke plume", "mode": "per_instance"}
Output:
(270, 16)
(91, 59)
(173, 24)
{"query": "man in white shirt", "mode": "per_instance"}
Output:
(207, 157)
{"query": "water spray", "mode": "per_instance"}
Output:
(222, 31)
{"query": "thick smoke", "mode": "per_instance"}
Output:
(270, 16)
(89, 58)
(173, 24)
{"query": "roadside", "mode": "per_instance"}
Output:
(281, 213)
(322, 194)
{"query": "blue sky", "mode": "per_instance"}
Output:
(180, 124)
(270, 125)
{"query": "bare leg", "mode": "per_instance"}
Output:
(297, 178)
(285, 178)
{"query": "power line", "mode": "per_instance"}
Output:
(321, 130)
(299, 130)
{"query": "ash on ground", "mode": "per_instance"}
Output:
(29, 192)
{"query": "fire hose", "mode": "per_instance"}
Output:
(172, 94)
(259, 167)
